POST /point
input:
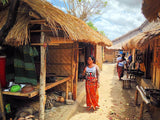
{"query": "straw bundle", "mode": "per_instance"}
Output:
(74, 28)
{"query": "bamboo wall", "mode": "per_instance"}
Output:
(156, 64)
(99, 56)
(59, 61)
(109, 55)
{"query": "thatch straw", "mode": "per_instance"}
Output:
(150, 9)
(142, 39)
(73, 27)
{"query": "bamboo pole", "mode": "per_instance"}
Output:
(37, 22)
(136, 97)
(42, 77)
(72, 67)
(76, 56)
(1, 104)
(141, 111)
(66, 90)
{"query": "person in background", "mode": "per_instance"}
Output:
(91, 72)
(129, 59)
(120, 66)
(118, 57)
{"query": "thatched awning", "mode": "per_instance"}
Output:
(143, 39)
(74, 28)
(151, 9)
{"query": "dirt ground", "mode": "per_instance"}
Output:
(115, 103)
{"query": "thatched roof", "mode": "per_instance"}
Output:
(150, 9)
(142, 39)
(73, 27)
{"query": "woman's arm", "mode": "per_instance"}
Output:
(97, 72)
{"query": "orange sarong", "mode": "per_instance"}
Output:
(92, 96)
(120, 71)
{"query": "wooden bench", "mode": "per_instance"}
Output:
(36, 90)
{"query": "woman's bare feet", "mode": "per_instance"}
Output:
(89, 108)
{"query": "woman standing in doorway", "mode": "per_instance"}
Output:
(92, 83)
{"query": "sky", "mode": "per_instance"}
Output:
(118, 18)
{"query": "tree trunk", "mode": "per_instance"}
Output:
(12, 15)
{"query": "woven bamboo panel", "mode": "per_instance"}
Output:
(61, 70)
(59, 56)
(59, 61)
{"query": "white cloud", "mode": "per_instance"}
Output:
(121, 16)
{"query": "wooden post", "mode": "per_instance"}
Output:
(141, 110)
(133, 55)
(76, 55)
(136, 97)
(1, 104)
(72, 67)
(42, 77)
(66, 90)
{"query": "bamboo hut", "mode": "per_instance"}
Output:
(148, 43)
(146, 48)
(57, 37)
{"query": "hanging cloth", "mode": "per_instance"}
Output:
(24, 65)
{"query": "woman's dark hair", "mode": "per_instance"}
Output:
(123, 56)
(92, 58)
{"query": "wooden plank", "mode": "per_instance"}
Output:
(51, 85)
(136, 97)
(41, 44)
(42, 77)
(37, 22)
(2, 105)
(158, 78)
(141, 111)
(154, 75)
(17, 94)
(34, 31)
(36, 91)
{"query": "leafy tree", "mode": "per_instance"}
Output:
(84, 9)
(95, 28)
(102, 32)
(92, 25)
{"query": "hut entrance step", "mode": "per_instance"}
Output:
(126, 84)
